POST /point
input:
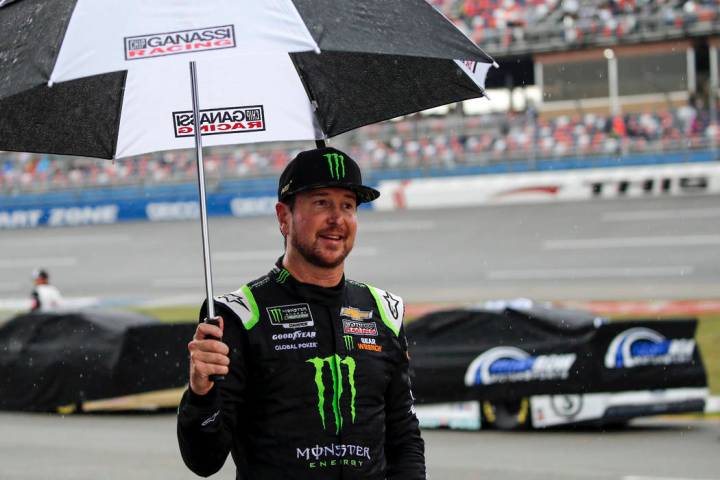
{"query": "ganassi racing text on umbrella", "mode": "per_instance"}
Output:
(171, 43)
(221, 120)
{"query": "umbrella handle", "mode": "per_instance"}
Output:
(203, 204)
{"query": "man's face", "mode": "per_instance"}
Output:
(322, 225)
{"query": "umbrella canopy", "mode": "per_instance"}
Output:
(267, 71)
(108, 79)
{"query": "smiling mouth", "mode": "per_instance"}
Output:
(332, 237)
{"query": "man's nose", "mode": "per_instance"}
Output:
(335, 214)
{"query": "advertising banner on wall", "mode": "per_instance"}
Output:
(143, 209)
(418, 193)
(152, 209)
(543, 187)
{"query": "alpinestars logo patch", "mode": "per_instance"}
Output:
(392, 304)
(232, 298)
(210, 419)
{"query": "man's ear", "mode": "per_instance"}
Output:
(282, 211)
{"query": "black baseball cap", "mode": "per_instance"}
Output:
(39, 273)
(323, 167)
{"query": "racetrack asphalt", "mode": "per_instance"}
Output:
(661, 248)
(143, 447)
(628, 249)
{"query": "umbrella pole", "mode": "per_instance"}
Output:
(201, 191)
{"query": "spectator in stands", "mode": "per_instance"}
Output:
(415, 142)
(45, 297)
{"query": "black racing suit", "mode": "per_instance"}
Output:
(318, 386)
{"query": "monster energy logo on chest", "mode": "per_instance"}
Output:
(336, 164)
(339, 376)
(297, 315)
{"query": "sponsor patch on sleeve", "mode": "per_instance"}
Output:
(242, 303)
(390, 307)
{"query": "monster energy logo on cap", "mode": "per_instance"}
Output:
(339, 376)
(323, 168)
(336, 164)
(348, 342)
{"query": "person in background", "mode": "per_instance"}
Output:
(45, 297)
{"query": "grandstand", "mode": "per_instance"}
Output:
(523, 26)
(410, 144)
(597, 80)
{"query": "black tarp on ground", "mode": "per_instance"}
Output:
(526, 352)
(56, 359)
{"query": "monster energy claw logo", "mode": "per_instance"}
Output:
(348, 342)
(276, 314)
(335, 364)
(297, 315)
(336, 164)
(282, 276)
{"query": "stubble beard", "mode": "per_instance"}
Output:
(307, 252)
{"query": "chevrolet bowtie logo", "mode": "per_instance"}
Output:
(355, 313)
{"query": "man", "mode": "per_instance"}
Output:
(316, 366)
(44, 297)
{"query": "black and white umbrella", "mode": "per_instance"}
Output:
(109, 79)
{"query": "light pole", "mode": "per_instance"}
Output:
(613, 89)
(713, 95)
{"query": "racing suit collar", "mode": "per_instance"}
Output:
(310, 292)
